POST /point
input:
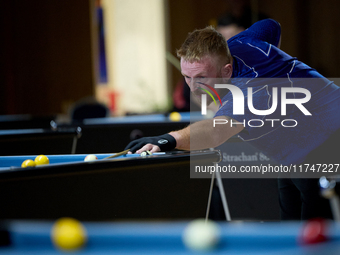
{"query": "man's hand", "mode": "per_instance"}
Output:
(153, 144)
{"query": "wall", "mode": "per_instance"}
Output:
(47, 62)
(135, 50)
(47, 55)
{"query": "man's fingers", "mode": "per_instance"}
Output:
(164, 142)
(155, 149)
(148, 147)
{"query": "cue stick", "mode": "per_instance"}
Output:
(328, 191)
(210, 195)
(173, 60)
(335, 205)
(117, 154)
(74, 145)
(223, 197)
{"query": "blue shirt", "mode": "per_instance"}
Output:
(259, 64)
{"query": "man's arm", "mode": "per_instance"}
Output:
(204, 134)
(200, 135)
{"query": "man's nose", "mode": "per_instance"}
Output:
(193, 85)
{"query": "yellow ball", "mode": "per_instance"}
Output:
(28, 163)
(68, 234)
(41, 160)
(175, 116)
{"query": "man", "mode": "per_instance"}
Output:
(248, 58)
(228, 26)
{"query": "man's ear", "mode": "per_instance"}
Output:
(227, 71)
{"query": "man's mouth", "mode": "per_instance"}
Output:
(198, 92)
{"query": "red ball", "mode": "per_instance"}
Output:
(314, 231)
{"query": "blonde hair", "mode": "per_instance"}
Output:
(204, 42)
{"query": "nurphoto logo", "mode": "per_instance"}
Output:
(239, 103)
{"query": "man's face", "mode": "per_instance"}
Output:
(205, 71)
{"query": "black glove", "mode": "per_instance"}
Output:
(164, 142)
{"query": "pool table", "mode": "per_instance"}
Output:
(150, 238)
(254, 199)
(35, 140)
(103, 135)
(128, 187)
(25, 121)
(25, 134)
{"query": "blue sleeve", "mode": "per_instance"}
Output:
(267, 30)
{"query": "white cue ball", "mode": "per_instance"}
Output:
(90, 157)
(201, 235)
